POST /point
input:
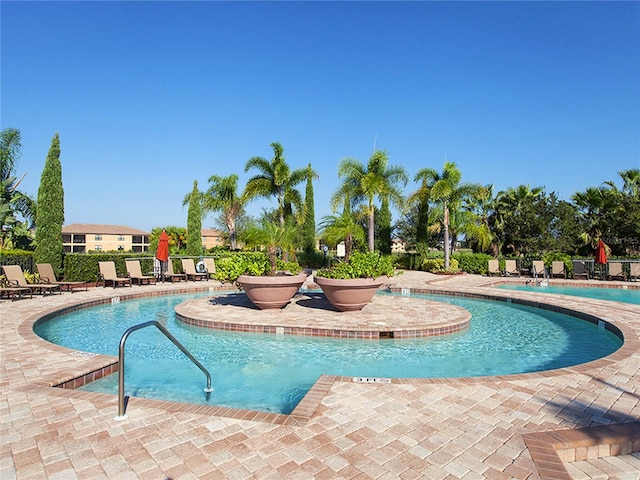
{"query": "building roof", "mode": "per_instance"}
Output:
(208, 232)
(89, 228)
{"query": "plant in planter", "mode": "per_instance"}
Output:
(350, 286)
(268, 281)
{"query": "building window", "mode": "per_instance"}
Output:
(78, 239)
(137, 239)
(98, 237)
(121, 248)
(98, 248)
(66, 238)
(121, 238)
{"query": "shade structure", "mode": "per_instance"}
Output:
(601, 253)
(162, 254)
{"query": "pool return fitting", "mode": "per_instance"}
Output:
(121, 398)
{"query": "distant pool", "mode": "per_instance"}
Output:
(600, 293)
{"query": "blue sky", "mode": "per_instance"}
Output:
(149, 96)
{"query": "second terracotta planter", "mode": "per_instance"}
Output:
(350, 294)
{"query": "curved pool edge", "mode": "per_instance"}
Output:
(80, 369)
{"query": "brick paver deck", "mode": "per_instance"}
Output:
(521, 426)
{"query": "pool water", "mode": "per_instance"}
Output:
(273, 372)
(614, 294)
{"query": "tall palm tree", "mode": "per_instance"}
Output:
(276, 180)
(222, 196)
(447, 190)
(365, 184)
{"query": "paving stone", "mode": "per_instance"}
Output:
(436, 429)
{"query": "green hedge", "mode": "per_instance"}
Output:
(83, 267)
(476, 263)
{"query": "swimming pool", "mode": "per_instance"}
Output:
(273, 372)
(600, 293)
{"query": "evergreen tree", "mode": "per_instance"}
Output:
(309, 226)
(50, 210)
(194, 223)
(384, 222)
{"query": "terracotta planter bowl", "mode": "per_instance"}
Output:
(271, 292)
(352, 294)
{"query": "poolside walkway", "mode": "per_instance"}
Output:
(510, 427)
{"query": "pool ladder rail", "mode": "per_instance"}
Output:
(153, 323)
(544, 282)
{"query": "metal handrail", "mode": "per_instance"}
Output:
(121, 403)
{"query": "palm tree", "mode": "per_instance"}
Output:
(272, 236)
(344, 227)
(478, 228)
(631, 185)
(222, 196)
(365, 184)
(13, 201)
(449, 192)
(276, 180)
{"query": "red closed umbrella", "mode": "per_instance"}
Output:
(601, 253)
(601, 258)
(162, 253)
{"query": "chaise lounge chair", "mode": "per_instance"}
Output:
(558, 269)
(16, 278)
(615, 271)
(493, 268)
(135, 273)
(580, 270)
(634, 271)
(174, 277)
(12, 292)
(108, 275)
(47, 275)
(511, 268)
(210, 265)
(189, 268)
(538, 269)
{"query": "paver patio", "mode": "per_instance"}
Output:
(414, 428)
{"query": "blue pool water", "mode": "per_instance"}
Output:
(273, 372)
(615, 294)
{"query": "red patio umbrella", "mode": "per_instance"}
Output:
(601, 253)
(162, 253)
(601, 258)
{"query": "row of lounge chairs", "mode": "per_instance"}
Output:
(108, 275)
(614, 270)
(14, 285)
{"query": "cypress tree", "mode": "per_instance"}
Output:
(50, 210)
(194, 223)
(309, 226)
(384, 220)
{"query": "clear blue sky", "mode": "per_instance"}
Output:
(149, 96)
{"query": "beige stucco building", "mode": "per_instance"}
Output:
(85, 237)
